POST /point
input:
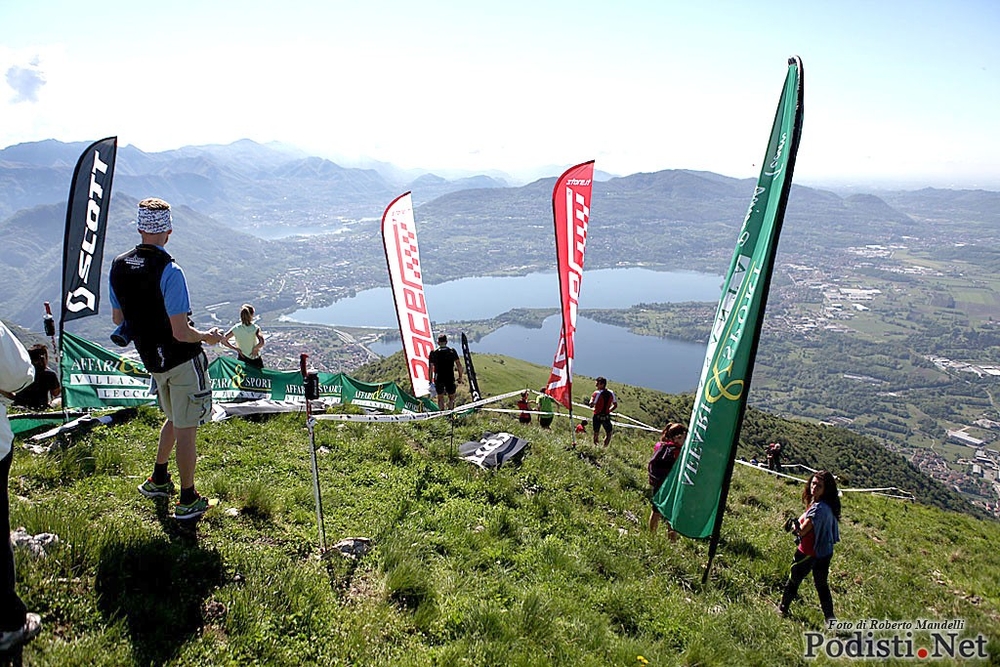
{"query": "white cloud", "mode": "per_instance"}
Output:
(26, 81)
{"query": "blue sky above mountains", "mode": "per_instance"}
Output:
(897, 93)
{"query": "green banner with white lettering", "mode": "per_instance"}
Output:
(233, 381)
(694, 494)
(97, 378)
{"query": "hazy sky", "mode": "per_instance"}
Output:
(897, 92)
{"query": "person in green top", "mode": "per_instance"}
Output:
(546, 405)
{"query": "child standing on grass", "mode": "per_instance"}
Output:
(818, 529)
(524, 406)
(665, 454)
(248, 337)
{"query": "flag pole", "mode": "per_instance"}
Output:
(308, 381)
(713, 543)
(724, 492)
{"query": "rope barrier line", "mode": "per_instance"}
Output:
(874, 491)
(563, 414)
(799, 465)
(416, 416)
(768, 471)
(890, 495)
(646, 427)
(639, 424)
(526, 412)
(650, 429)
(423, 416)
(881, 492)
(884, 488)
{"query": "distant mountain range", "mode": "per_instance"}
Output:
(677, 219)
(217, 259)
(242, 182)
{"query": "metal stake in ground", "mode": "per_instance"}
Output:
(310, 384)
(451, 449)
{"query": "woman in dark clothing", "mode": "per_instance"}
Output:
(665, 453)
(818, 530)
(524, 406)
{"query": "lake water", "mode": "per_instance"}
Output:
(485, 297)
(659, 363)
(672, 366)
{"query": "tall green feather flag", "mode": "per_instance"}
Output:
(694, 495)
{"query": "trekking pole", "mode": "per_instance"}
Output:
(50, 330)
(310, 383)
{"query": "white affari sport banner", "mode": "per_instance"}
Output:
(399, 234)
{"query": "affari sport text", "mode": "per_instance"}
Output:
(877, 639)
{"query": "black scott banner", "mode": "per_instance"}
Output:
(86, 223)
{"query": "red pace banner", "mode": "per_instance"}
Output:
(571, 213)
(558, 386)
(399, 235)
(86, 224)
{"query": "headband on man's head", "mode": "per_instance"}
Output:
(154, 220)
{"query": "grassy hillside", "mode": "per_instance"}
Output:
(543, 563)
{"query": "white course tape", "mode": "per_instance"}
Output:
(415, 416)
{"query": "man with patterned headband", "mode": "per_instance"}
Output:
(149, 294)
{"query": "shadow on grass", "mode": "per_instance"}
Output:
(158, 587)
(740, 546)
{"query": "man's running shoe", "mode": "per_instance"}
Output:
(152, 490)
(191, 511)
(14, 638)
